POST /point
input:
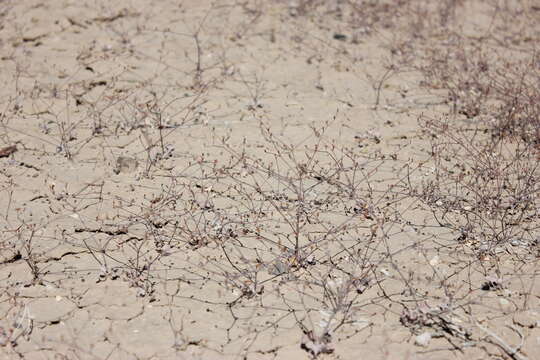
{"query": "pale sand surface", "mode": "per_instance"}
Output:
(132, 227)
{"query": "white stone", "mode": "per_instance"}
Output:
(423, 339)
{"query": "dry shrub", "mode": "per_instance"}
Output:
(485, 150)
(296, 229)
(485, 190)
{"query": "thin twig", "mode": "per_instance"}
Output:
(496, 340)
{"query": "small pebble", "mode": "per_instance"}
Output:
(423, 339)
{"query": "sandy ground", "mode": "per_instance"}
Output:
(215, 180)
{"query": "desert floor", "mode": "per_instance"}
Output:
(250, 179)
